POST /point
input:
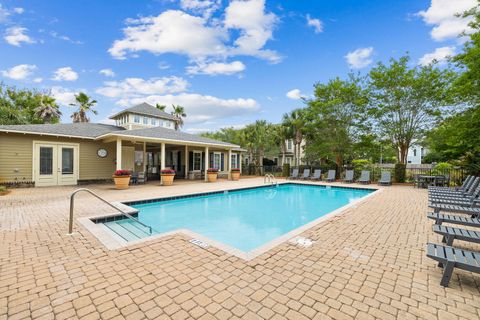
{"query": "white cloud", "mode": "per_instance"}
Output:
(37, 80)
(203, 7)
(174, 31)
(65, 74)
(200, 108)
(442, 15)
(6, 13)
(162, 65)
(216, 68)
(20, 72)
(295, 94)
(107, 72)
(359, 58)
(256, 28)
(16, 35)
(56, 35)
(440, 55)
(136, 87)
(18, 10)
(64, 96)
(316, 24)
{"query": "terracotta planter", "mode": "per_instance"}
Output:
(167, 179)
(121, 182)
(235, 175)
(212, 176)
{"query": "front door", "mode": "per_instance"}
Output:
(55, 164)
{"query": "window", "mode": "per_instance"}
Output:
(234, 161)
(145, 120)
(289, 144)
(414, 152)
(168, 124)
(136, 119)
(160, 123)
(46, 160)
(197, 160)
(217, 160)
(154, 122)
(67, 160)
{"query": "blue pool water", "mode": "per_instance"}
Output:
(245, 219)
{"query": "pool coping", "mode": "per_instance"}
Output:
(112, 241)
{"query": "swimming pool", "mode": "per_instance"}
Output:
(243, 219)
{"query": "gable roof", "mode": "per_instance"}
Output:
(169, 134)
(147, 110)
(74, 130)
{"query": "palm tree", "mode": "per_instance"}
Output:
(85, 105)
(160, 107)
(296, 122)
(282, 134)
(179, 113)
(48, 109)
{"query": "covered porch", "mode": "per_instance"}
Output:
(148, 157)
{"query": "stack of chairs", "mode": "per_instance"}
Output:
(458, 206)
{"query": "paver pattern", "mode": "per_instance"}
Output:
(368, 263)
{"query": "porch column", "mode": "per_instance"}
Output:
(119, 154)
(145, 157)
(186, 162)
(240, 162)
(229, 164)
(162, 160)
(206, 163)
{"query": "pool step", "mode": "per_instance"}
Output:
(127, 229)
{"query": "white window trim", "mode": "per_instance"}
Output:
(219, 154)
(193, 159)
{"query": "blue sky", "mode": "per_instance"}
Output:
(227, 62)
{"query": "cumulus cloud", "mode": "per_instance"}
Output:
(316, 24)
(65, 74)
(136, 87)
(107, 72)
(18, 10)
(6, 13)
(200, 108)
(294, 94)
(203, 7)
(17, 35)
(442, 14)
(197, 37)
(64, 96)
(440, 55)
(359, 58)
(216, 68)
(20, 72)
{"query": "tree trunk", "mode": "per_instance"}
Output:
(339, 163)
(403, 150)
(295, 154)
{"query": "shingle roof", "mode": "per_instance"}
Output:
(170, 134)
(82, 130)
(146, 109)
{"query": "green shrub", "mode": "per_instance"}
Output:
(361, 164)
(400, 170)
(3, 188)
(442, 168)
(286, 170)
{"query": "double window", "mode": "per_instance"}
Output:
(197, 160)
(235, 161)
(136, 119)
(217, 160)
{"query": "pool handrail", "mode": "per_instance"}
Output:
(126, 214)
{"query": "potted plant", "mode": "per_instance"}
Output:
(212, 174)
(167, 176)
(4, 191)
(122, 178)
(235, 174)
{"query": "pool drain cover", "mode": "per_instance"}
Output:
(199, 243)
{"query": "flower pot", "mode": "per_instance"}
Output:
(212, 176)
(121, 182)
(167, 179)
(235, 175)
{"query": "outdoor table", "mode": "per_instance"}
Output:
(425, 180)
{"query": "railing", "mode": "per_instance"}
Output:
(270, 178)
(72, 202)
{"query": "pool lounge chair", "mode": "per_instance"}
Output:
(386, 178)
(294, 175)
(317, 175)
(453, 219)
(462, 187)
(306, 174)
(470, 200)
(450, 258)
(364, 177)
(469, 188)
(438, 207)
(450, 233)
(331, 175)
(348, 176)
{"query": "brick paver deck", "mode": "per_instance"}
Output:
(366, 263)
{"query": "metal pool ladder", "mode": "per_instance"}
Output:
(270, 178)
(72, 202)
